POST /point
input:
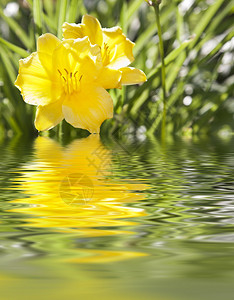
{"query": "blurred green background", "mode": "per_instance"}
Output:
(199, 47)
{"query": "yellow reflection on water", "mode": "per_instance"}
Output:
(70, 189)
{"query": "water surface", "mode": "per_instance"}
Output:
(117, 219)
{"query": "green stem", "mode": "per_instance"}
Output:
(60, 130)
(161, 50)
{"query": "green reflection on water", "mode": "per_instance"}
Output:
(128, 219)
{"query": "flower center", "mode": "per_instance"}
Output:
(106, 54)
(70, 80)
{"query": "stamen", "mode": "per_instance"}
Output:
(106, 54)
(70, 81)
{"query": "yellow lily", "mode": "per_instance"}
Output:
(66, 79)
(116, 49)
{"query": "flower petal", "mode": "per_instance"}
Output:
(88, 108)
(132, 76)
(46, 45)
(77, 58)
(48, 116)
(73, 31)
(118, 47)
(34, 82)
(90, 27)
(109, 78)
(69, 53)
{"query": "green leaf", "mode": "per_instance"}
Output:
(8, 65)
(151, 30)
(171, 77)
(49, 8)
(205, 20)
(18, 31)
(73, 11)
(123, 17)
(135, 101)
(37, 16)
(14, 48)
(133, 8)
(62, 10)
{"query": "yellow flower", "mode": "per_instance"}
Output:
(116, 49)
(66, 80)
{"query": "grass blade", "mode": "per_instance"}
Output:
(151, 30)
(73, 11)
(18, 31)
(150, 78)
(62, 10)
(23, 53)
(8, 65)
(37, 15)
(133, 8)
(205, 20)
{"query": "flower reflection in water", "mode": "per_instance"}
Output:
(71, 191)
